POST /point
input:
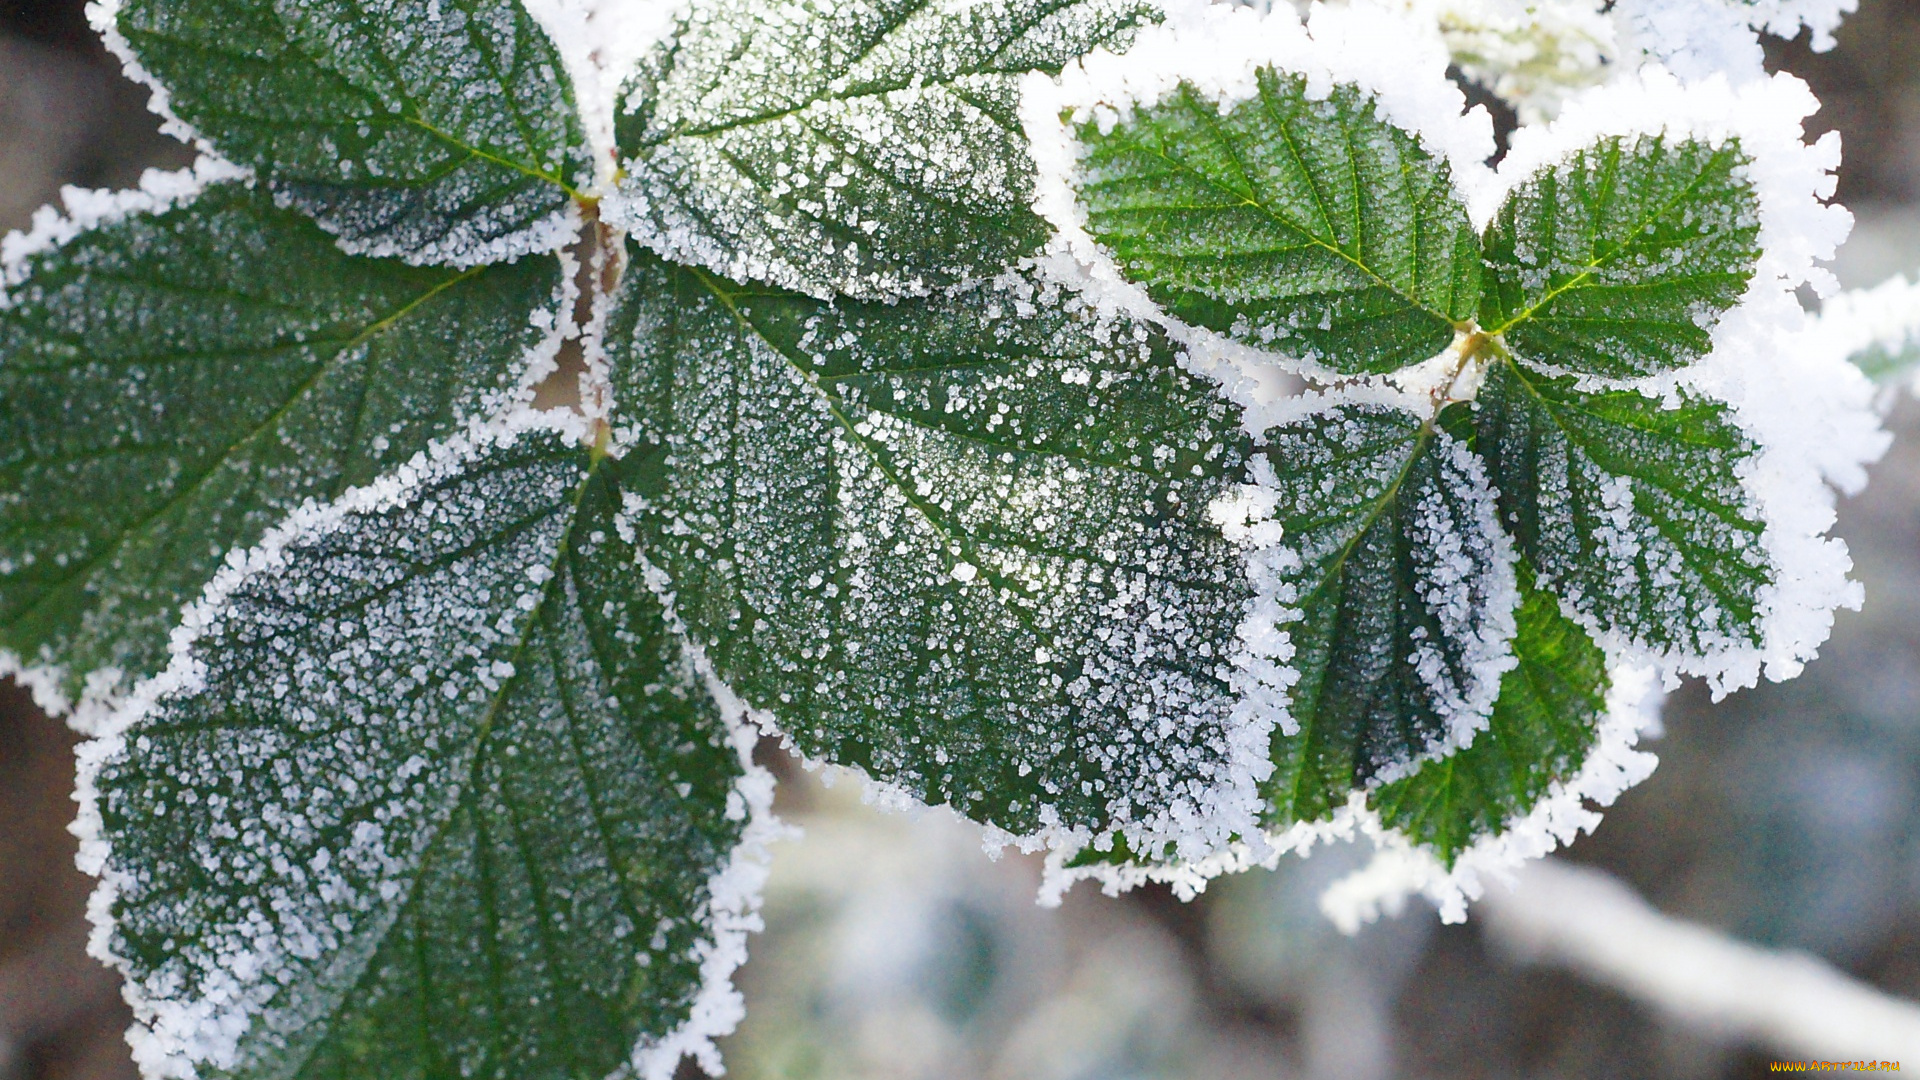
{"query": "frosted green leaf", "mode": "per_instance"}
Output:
(1543, 724)
(433, 794)
(1405, 593)
(1311, 227)
(960, 543)
(172, 385)
(1629, 507)
(438, 130)
(1619, 261)
(867, 147)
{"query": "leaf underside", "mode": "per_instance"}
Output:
(442, 131)
(175, 384)
(1618, 261)
(488, 803)
(1401, 590)
(870, 148)
(1629, 507)
(960, 544)
(1546, 719)
(1310, 227)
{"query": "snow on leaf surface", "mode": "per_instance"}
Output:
(1404, 587)
(1631, 508)
(1298, 220)
(173, 384)
(865, 147)
(960, 543)
(428, 790)
(1618, 261)
(443, 131)
(1546, 717)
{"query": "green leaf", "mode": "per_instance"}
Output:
(1404, 588)
(433, 793)
(960, 543)
(1629, 507)
(867, 147)
(439, 130)
(171, 385)
(1311, 227)
(1543, 724)
(1619, 261)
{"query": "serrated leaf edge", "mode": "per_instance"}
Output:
(734, 891)
(1264, 678)
(1233, 802)
(1807, 411)
(83, 211)
(107, 689)
(1402, 867)
(548, 235)
(1218, 49)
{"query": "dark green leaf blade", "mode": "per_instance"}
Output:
(171, 385)
(960, 543)
(1545, 720)
(443, 131)
(1311, 227)
(1618, 261)
(482, 806)
(1630, 508)
(866, 147)
(1404, 589)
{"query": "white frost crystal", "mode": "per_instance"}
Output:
(341, 733)
(1878, 329)
(1533, 53)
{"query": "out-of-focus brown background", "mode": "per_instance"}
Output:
(1788, 815)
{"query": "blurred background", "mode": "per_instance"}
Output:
(1788, 815)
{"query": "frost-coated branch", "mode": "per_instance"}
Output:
(1587, 920)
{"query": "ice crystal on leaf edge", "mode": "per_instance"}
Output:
(1810, 442)
(1406, 78)
(242, 993)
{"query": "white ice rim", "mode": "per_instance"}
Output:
(1217, 49)
(734, 895)
(1195, 832)
(82, 211)
(734, 891)
(565, 22)
(85, 210)
(1808, 447)
(1401, 867)
(1885, 316)
(185, 672)
(602, 43)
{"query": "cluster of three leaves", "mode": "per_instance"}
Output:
(1311, 225)
(435, 788)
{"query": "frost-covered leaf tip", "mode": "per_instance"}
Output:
(429, 789)
(178, 374)
(1569, 400)
(870, 148)
(440, 131)
(961, 543)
